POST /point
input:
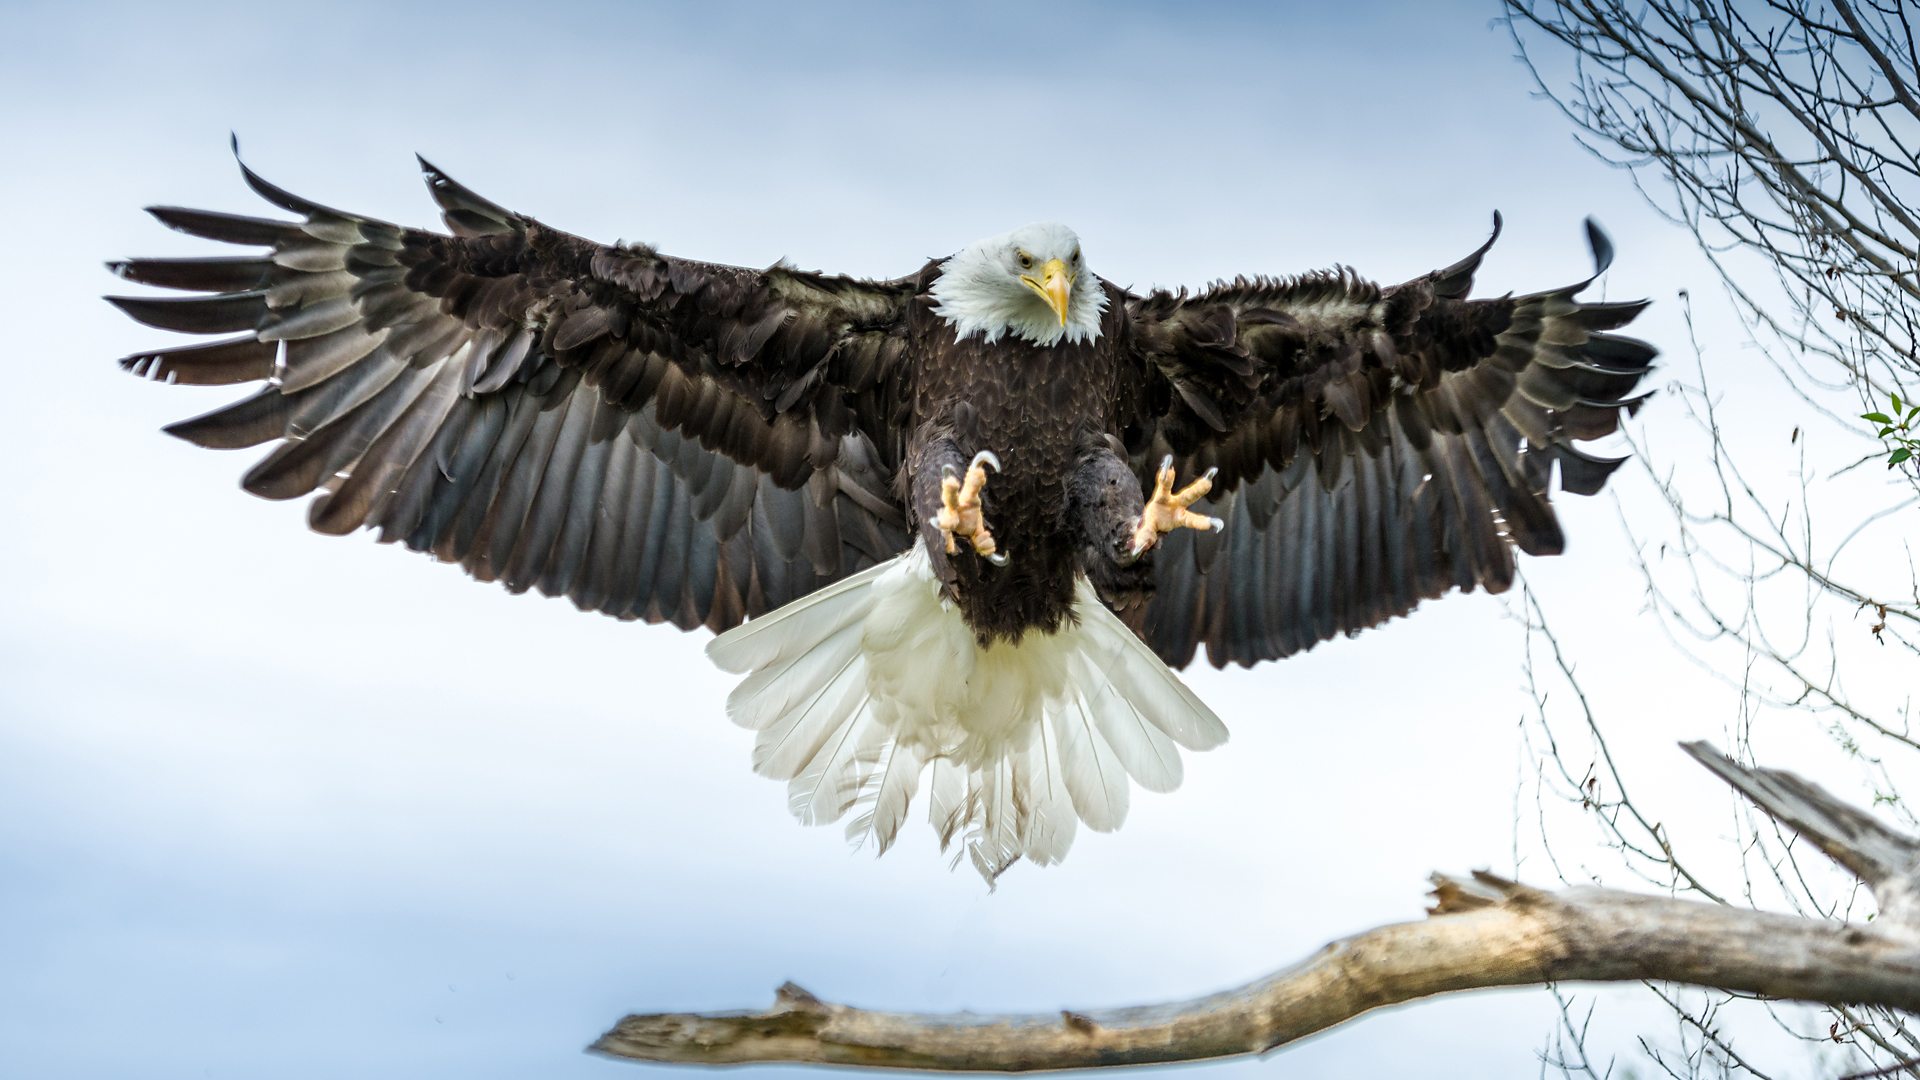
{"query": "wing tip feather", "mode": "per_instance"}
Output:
(1601, 245)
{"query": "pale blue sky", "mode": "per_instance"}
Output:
(277, 805)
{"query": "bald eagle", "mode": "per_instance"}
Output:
(954, 528)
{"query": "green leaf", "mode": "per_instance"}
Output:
(1896, 402)
(1911, 411)
(1885, 431)
(1877, 417)
(1899, 456)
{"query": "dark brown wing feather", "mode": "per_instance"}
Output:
(1376, 446)
(650, 436)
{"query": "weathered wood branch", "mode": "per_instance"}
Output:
(1886, 860)
(1482, 931)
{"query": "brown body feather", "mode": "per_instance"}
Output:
(1048, 413)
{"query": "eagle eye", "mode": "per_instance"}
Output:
(1026, 260)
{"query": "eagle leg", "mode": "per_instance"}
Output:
(960, 514)
(1167, 509)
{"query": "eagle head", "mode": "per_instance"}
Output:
(1032, 282)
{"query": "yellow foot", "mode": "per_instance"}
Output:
(959, 514)
(1167, 509)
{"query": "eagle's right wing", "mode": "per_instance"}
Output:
(650, 436)
(1376, 446)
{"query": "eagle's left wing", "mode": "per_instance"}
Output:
(650, 436)
(1376, 446)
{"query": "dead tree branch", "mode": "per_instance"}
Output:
(1483, 931)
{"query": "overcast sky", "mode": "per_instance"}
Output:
(279, 805)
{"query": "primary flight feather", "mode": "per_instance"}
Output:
(953, 527)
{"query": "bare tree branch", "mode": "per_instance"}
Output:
(1784, 136)
(1482, 931)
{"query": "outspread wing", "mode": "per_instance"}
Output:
(1376, 446)
(653, 437)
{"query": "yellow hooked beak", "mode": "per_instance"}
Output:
(1054, 285)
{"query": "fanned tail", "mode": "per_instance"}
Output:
(858, 689)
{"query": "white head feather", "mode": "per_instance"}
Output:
(980, 290)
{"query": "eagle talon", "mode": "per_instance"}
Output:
(960, 514)
(1167, 509)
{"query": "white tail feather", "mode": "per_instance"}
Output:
(829, 784)
(1050, 833)
(998, 832)
(857, 689)
(787, 745)
(759, 642)
(1140, 746)
(949, 804)
(772, 692)
(886, 789)
(1096, 780)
